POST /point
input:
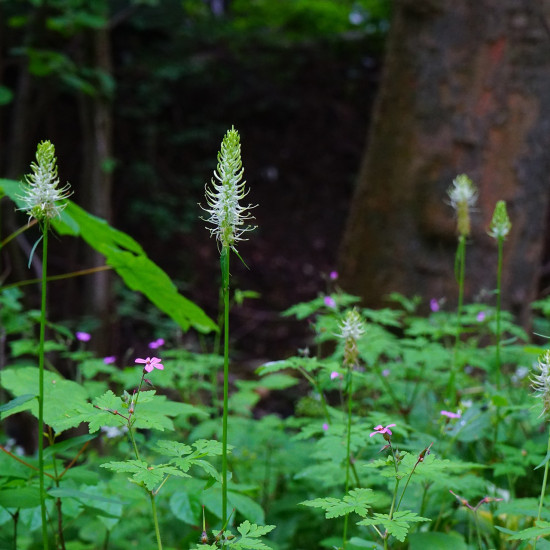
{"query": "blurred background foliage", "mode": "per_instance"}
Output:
(146, 89)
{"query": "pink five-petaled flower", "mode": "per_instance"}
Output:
(83, 336)
(451, 414)
(330, 302)
(382, 431)
(434, 305)
(151, 363)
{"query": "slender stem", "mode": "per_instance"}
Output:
(459, 272)
(348, 453)
(18, 232)
(225, 282)
(79, 273)
(498, 330)
(155, 520)
(41, 387)
(543, 488)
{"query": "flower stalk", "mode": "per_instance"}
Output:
(229, 220)
(351, 330)
(463, 196)
(43, 200)
(499, 229)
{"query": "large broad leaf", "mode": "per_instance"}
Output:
(127, 258)
(65, 401)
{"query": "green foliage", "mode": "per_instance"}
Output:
(397, 525)
(358, 501)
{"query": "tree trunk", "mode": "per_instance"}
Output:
(466, 89)
(97, 124)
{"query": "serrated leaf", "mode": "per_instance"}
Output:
(250, 534)
(398, 525)
(142, 474)
(358, 501)
(172, 448)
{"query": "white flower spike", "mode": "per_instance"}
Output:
(42, 196)
(227, 216)
(463, 195)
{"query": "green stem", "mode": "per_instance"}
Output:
(543, 488)
(155, 520)
(224, 261)
(41, 388)
(348, 453)
(498, 330)
(460, 263)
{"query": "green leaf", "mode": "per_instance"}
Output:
(128, 259)
(65, 401)
(436, 541)
(142, 474)
(542, 529)
(17, 401)
(250, 533)
(546, 459)
(22, 497)
(61, 492)
(398, 526)
(358, 501)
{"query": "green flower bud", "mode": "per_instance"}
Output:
(500, 224)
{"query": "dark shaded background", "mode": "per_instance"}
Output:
(299, 90)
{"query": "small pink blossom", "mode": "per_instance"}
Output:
(325, 426)
(386, 373)
(334, 375)
(333, 275)
(330, 302)
(481, 316)
(451, 414)
(83, 336)
(434, 305)
(109, 360)
(381, 430)
(151, 363)
(156, 343)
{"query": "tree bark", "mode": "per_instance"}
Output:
(466, 89)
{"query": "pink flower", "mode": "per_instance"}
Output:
(334, 375)
(109, 360)
(381, 430)
(333, 275)
(156, 343)
(386, 373)
(151, 363)
(434, 305)
(330, 302)
(325, 426)
(451, 414)
(83, 336)
(480, 316)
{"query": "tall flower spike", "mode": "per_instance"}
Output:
(227, 216)
(463, 195)
(541, 382)
(500, 224)
(42, 195)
